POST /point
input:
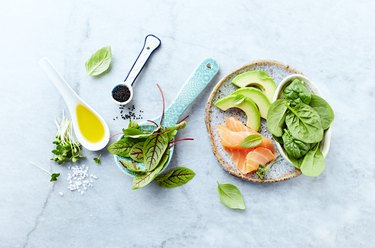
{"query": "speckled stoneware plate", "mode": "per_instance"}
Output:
(281, 169)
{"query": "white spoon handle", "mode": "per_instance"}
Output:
(65, 90)
(151, 44)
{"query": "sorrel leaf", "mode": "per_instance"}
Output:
(136, 152)
(175, 177)
(252, 140)
(121, 147)
(153, 150)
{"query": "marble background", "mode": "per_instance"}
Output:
(331, 42)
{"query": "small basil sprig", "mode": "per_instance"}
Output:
(175, 177)
(230, 196)
(251, 141)
(99, 62)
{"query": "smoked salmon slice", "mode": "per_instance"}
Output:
(245, 159)
(233, 139)
(259, 156)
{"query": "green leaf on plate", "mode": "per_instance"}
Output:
(131, 166)
(230, 196)
(99, 62)
(251, 141)
(175, 177)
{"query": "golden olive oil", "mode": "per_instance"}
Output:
(89, 124)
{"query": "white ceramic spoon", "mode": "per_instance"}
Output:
(72, 99)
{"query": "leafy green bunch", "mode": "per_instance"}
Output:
(146, 153)
(298, 121)
(67, 148)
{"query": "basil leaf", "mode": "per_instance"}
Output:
(294, 147)
(304, 123)
(175, 177)
(313, 164)
(296, 93)
(153, 150)
(251, 141)
(230, 196)
(121, 147)
(99, 62)
(276, 117)
(54, 177)
(324, 110)
(136, 152)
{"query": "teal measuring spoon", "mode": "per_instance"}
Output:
(192, 88)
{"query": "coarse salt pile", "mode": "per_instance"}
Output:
(80, 179)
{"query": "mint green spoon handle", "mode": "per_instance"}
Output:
(196, 83)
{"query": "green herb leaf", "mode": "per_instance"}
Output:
(304, 123)
(323, 109)
(133, 124)
(252, 140)
(296, 93)
(140, 181)
(136, 152)
(97, 159)
(131, 166)
(121, 147)
(175, 177)
(54, 177)
(313, 164)
(153, 150)
(294, 147)
(67, 148)
(230, 196)
(261, 171)
(276, 117)
(99, 62)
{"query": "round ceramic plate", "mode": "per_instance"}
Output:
(281, 169)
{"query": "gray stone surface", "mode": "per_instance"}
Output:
(331, 42)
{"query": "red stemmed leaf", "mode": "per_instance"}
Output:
(153, 150)
(136, 153)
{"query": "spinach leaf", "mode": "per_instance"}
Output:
(313, 164)
(230, 196)
(153, 150)
(324, 110)
(304, 123)
(136, 152)
(276, 117)
(296, 162)
(252, 140)
(296, 93)
(121, 147)
(175, 177)
(99, 62)
(294, 147)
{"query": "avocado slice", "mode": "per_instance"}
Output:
(258, 79)
(243, 103)
(258, 97)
